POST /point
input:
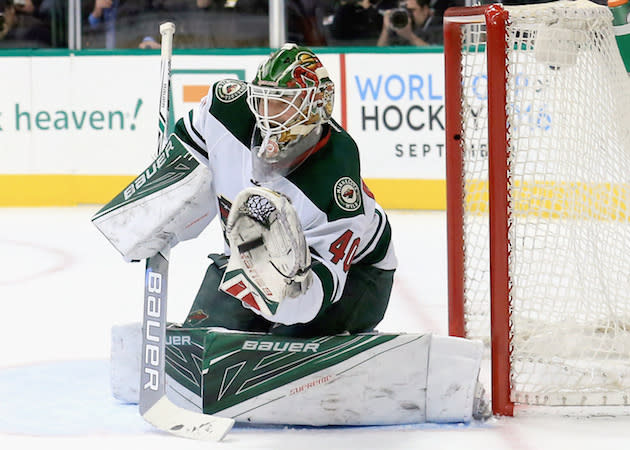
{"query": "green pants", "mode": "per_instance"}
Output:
(361, 307)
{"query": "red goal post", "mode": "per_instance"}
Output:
(538, 195)
(455, 193)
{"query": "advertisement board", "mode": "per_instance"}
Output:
(76, 128)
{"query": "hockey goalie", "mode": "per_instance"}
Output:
(282, 329)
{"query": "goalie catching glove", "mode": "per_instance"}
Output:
(269, 258)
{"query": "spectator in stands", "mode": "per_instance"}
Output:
(199, 23)
(419, 28)
(8, 18)
(358, 21)
(103, 19)
(149, 43)
(33, 23)
(305, 23)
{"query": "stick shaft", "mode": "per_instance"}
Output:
(152, 379)
(153, 370)
(154, 405)
(167, 30)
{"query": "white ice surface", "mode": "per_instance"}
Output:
(62, 287)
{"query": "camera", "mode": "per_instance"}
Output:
(399, 18)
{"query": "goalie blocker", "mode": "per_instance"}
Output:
(170, 202)
(363, 379)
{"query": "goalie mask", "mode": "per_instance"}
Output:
(291, 96)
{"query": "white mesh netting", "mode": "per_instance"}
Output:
(568, 105)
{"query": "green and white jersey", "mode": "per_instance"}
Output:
(342, 222)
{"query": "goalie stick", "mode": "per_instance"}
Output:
(154, 405)
(167, 30)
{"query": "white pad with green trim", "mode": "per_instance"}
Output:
(171, 201)
(362, 379)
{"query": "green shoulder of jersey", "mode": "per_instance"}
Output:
(229, 106)
(331, 177)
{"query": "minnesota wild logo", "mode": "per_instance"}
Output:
(229, 90)
(347, 194)
(197, 316)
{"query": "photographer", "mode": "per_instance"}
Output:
(412, 24)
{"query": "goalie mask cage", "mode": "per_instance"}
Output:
(538, 191)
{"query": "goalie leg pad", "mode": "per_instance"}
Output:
(183, 346)
(126, 342)
(359, 379)
(364, 379)
(454, 365)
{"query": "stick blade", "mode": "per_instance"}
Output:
(166, 416)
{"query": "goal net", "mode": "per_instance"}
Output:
(538, 188)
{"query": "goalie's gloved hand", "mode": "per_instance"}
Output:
(269, 251)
